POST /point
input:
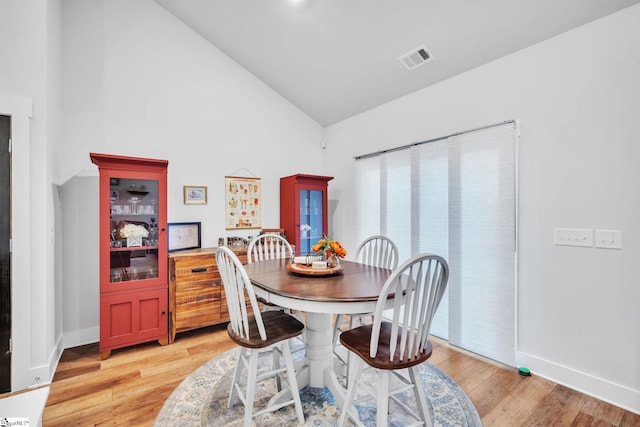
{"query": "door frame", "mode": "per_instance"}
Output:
(20, 111)
(5, 296)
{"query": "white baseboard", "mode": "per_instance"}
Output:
(81, 337)
(43, 375)
(615, 394)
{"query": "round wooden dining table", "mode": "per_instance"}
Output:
(353, 290)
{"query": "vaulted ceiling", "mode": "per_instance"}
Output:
(336, 58)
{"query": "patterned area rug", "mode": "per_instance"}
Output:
(201, 399)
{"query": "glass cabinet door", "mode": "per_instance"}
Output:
(133, 235)
(311, 219)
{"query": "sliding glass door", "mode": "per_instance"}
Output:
(455, 197)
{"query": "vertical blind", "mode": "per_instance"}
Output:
(455, 197)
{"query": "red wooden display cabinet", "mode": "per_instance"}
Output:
(303, 209)
(133, 270)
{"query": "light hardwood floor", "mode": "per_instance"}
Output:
(130, 387)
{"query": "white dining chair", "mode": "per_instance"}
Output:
(377, 251)
(272, 246)
(268, 246)
(257, 333)
(416, 289)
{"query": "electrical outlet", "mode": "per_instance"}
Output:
(609, 239)
(573, 237)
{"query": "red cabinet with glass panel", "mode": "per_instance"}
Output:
(133, 251)
(303, 210)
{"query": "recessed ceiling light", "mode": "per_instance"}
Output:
(300, 4)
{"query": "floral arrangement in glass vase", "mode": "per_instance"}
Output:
(332, 249)
(134, 234)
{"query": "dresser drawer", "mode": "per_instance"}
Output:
(196, 292)
(195, 287)
(199, 260)
(197, 308)
(187, 299)
(197, 279)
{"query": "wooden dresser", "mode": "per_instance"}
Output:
(196, 293)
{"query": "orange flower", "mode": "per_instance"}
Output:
(337, 248)
(328, 245)
(318, 246)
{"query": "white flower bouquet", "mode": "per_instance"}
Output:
(134, 234)
(133, 230)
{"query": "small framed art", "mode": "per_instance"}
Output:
(195, 195)
(183, 235)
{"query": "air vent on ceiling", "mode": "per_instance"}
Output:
(416, 57)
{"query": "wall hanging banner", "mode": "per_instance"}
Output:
(242, 202)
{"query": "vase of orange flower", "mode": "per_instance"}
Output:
(332, 250)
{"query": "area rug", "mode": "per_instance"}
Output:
(201, 400)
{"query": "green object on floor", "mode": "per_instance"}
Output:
(524, 371)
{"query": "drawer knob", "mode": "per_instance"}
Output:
(199, 270)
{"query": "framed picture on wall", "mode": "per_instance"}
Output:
(195, 195)
(183, 235)
(242, 203)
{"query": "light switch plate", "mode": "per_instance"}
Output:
(609, 239)
(573, 237)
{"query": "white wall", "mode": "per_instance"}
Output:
(577, 97)
(138, 82)
(80, 261)
(29, 91)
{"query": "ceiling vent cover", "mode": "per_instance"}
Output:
(417, 57)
